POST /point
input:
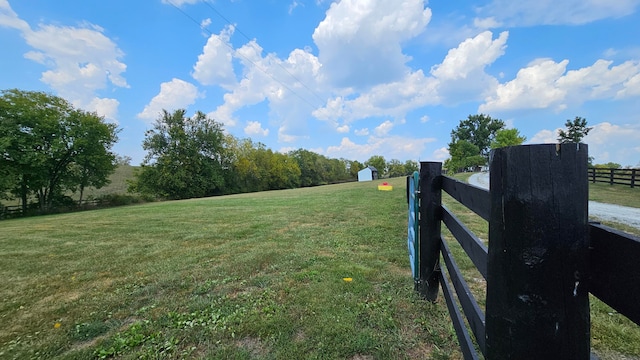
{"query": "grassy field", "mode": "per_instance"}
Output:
(308, 273)
(250, 276)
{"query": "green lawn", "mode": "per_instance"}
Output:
(248, 276)
(253, 276)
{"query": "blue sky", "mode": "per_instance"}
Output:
(351, 78)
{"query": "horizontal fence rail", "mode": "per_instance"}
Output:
(543, 258)
(14, 211)
(628, 177)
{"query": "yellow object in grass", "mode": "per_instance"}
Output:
(56, 325)
(385, 187)
(347, 279)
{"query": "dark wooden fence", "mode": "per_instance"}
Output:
(628, 177)
(14, 211)
(543, 258)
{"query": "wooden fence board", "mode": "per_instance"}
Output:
(472, 311)
(615, 270)
(471, 244)
(466, 345)
(473, 197)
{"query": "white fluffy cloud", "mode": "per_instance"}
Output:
(80, 60)
(600, 138)
(534, 87)
(174, 94)
(288, 86)
(104, 107)
(343, 129)
(544, 137)
(392, 99)
(214, 65)
(461, 75)
(471, 55)
(626, 137)
(550, 12)
(254, 128)
(631, 87)
(544, 84)
(441, 154)
(383, 129)
(390, 146)
(359, 40)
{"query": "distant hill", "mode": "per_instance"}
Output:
(118, 183)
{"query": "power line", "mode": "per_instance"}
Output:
(246, 58)
(236, 28)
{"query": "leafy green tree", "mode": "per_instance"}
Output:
(337, 170)
(284, 172)
(378, 162)
(44, 140)
(94, 161)
(410, 166)
(311, 167)
(464, 155)
(479, 130)
(395, 168)
(354, 167)
(609, 165)
(575, 132)
(507, 137)
(123, 160)
(185, 157)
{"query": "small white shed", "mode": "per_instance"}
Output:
(368, 174)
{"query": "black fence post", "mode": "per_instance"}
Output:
(537, 297)
(611, 172)
(430, 226)
(633, 177)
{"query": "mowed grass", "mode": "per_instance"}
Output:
(253, 276)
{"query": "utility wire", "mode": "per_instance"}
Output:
(249, 39)
(246, 58)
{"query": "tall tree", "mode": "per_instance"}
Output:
(95, 162)
(311, 165)
(464, 155)
(44, 139)
(395, 168)
(378, 162)
(507, 137)
(354, 167)
(479, 130)
(410, 166)
(576, 131)
(184, 157)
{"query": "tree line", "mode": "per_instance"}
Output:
(50, 150)
(474, 138)
(191, 157)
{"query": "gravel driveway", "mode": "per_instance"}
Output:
(604, 212)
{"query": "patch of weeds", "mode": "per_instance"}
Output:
(137, 334)
(377, 313)
(308, 276)
(217, 317)
(89, 330)
(206, 287)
